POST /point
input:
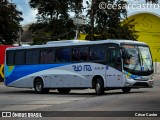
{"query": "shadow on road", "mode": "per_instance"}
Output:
(72, 93)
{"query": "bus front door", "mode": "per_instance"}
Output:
(114, 75)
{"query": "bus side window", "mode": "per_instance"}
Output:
(80, 54)
(97, 53)
(63, 55)
(49, 58)
(84, 53)
(19, 57)
(35, 56)
(42, 56)
(114, 58)
(10, 58)
(75, 54)
(29, 57)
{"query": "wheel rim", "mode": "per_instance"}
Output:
(38, 86)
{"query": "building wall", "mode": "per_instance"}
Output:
(148, 27)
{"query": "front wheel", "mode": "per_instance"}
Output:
(126, 90)
(39, 87)
(99, 88)
(64, 90)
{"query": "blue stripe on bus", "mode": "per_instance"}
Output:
(24, 70)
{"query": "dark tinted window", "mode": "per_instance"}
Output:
(97, 53)
(42, 56)
(63, 55)
(80, 54)
(19, 57)
(29, 57)
(114, 57)
(10, 57)
(35, 56)
(47, 56)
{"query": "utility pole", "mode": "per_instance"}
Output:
(77, 23)
(77, 32)
(79, 18)
(77, 11)
(92, 20)
(20, 36)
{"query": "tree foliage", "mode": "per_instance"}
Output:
(10, 19)
(52, 31)
(107, 23)
(53, 20)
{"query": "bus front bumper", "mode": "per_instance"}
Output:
(139, 83)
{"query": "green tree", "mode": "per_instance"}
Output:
(108, 23)
(10, 19)
(52, 31)
(53, 20)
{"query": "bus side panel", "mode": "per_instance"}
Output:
(22, 83)
(81, 74)
(54, 75)
(56, 81)
(80, 81)
(115, 78)
(68, 80)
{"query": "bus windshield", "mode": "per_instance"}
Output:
(137, 59)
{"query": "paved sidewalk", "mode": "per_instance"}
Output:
(1, 83)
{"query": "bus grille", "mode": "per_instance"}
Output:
(141, 84)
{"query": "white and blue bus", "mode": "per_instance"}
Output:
(101, 65)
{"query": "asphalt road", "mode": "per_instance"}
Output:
(146, 99)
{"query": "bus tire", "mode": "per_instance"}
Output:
(99, 87)
(39, 87)
(64, 90)
(126, 90)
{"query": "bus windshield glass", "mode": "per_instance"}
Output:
(137, 59)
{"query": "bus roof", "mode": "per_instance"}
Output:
(77, 43)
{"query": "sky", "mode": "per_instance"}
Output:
(29, 14)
